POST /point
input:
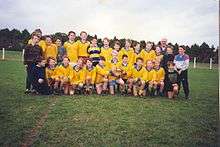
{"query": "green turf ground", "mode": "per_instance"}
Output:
(108, 120)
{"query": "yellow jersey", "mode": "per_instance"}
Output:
(78, 76)
(90, 74)
(149, 75)
(71, 50)
(148, 55)
(106, 53)
(129, 53)
(101, 74)
(160, 74)
(126, 70)
(50, 51)
(50, 73)
(137, 73)
(62, 72)
(83, 48)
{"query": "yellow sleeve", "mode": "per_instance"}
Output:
(93, 75)
(82, 76)
(154, 76)
(163, 74)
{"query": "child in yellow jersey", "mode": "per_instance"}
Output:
(90, 76)
(50, 49)
(115, 73)
(64, 74)
(137, 51)
(77, 80)
(160, 75)
(102, 73)
(125, 67)
(150, 78)
(50, 72)
(116, 48)
(137, 74)
(71, 48)
(106, 50)
(127, 50)
(83, 46)
(159, 55)
(148, 53)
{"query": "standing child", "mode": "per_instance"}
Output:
(61, 51)
(106, 50)
(94, 52)
(50, 49)
(148, 53)
(39, 82)
(127, 50)
(172, 81)
(137, 51)
(83, 46)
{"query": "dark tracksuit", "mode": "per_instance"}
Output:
(39, 73)
(30, 54)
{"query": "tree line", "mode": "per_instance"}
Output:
(15, 40)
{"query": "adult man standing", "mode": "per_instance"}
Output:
(182, 64)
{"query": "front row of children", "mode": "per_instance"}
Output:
(105, 77)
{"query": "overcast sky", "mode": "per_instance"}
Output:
(184, 22)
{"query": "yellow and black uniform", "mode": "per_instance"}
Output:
(149, 75)
(50, 73)
(90, 74)
(83, 49)
(101, 74)
(62, 72)
(129, 53)
(71, 51)
(126, 70)
(160, 74)
(147, 55)
(78, 76)
(106, 53)
(94, 54)
(41, 43)
(50, 51)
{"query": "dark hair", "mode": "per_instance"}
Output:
(102, 58)
(50, 58)
(170, 63)
(34, 34)
(117, 42)
(123, 56)
(38, 30)
(135, 43)
(170, 46)
(182, 46)
(48, 36)
(39, 59)
(66, 57)
(70, 32)
(139, 58)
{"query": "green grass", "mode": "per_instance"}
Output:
(109, 120)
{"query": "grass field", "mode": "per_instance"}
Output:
(107, 120)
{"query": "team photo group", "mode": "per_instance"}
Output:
(83, 66)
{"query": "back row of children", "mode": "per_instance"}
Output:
(82, 67)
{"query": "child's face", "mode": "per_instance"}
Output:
(149, 64)
(169, 51)
(35, 39)
(157, 64)
(94, 42)
(52, 63)
(181, 51)
(171, 67)
(139, 63)
(88, 63)
(72, 36)
(137, 48)
(158, 50)
(58, 42)
(83, 36)
(48, 40)
(80, 62)
(148, 46)
(105, 42)
(125, 60)
(127, 44)
(101, 62)
(43, 63)
(65, 61)
(117, 47)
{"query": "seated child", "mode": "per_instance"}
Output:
(39, 78)
(160, 74)
(101, 77)
(171, 79)
(64, 73)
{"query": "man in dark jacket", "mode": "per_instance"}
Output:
(31, 53)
